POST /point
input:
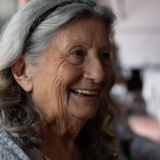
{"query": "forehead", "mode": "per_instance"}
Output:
(83, 30)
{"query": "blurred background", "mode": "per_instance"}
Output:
(137, 89)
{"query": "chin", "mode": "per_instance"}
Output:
(85, 114)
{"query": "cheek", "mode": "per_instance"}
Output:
(108, 80)
(58, 79)
(57, 89)
(109, 76)
(49, 90)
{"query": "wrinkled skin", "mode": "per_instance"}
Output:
(74, 60)
(78, 58)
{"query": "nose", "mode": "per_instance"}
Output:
(94, 70)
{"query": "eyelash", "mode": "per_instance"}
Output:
(77, 56)
(105, 59)
(107, 55)
(78, 51)
(103, 55)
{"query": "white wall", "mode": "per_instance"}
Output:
(7, 8)
(137, 31)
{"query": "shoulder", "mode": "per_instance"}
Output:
(9, 150)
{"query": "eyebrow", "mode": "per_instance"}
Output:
(105, 46)
(70, 45)
(78, 42)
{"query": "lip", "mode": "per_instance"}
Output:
(86, 89)
(89, 90)
(86, 97)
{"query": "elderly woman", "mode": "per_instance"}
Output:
(56, 72)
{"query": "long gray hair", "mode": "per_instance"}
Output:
(18, 114)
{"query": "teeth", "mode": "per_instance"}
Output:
(86, 92)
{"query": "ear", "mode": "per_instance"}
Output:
(23, 78)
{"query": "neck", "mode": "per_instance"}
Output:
(61, 139)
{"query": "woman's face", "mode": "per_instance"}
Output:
(74, 72)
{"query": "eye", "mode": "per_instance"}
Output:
(105, 59)
(78, 53)
(105, 55)
(77, 56)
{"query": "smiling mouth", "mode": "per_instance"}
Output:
(84, 92)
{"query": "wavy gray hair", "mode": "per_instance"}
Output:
(18, 114)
